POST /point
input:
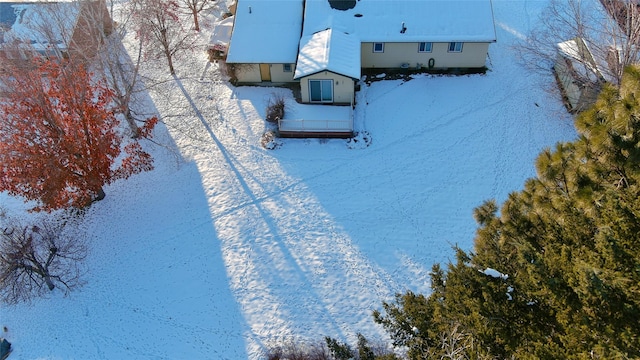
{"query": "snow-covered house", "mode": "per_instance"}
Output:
(326, 44)
(578, 74)
(59, 29)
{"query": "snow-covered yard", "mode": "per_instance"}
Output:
(227, 247)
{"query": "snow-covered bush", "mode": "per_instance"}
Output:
(275, 108)
(269, 140)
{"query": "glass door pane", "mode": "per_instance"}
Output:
(327, 90)
(315, 90)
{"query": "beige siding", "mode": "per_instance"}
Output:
(343, 87)
(250, 73)
(244, 73)
(279, 75)
(473, 55)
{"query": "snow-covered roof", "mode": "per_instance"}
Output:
(331, 50)
(575, 49)
(42, 24)
(578, 53)
(424, 20)
(269, 31)
(266, 31)
(222, 32)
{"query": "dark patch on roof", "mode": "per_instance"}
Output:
(7, 14)
(7, 18)
(342, 4)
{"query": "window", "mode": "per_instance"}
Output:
(378, 47)
(455, 47)
(425, 47)
(321, 90)
(286, 67)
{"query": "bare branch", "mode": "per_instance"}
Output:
(31, 257)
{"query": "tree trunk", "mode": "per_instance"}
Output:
(50, 285)
(170, 60)
(42, 270)
(167, 54)
(100, 195)
(132, 123)
(195, 20)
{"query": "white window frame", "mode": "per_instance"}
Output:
(381, 47)
(455, 47)
(321, 81)
(428, 47)
(287, 68)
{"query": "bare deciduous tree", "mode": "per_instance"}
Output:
(194, 8)
(35, 259)
(118, 66)
(98, 40)
(160, 27)
(121, 73)
(610, 28)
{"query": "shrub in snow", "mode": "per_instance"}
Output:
(298, 350)
(275, 108)
(330, 349)
(269, 140)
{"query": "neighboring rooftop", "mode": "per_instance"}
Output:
(266, 32)
(41, 24)
(221, 34)
(582, 61)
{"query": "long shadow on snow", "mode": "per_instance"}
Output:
(269, 221)
(156, 287)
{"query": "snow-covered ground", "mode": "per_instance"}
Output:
(227, 247)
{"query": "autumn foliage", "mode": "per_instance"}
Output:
(60, 140)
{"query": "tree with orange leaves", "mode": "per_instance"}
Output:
(60, 140)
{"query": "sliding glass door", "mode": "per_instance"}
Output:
(321, 90)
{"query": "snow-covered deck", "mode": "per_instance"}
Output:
(315, 120)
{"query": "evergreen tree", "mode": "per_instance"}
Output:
(555, 272)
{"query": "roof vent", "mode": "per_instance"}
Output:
(358, 15)
(342, 4)
(403, 29)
